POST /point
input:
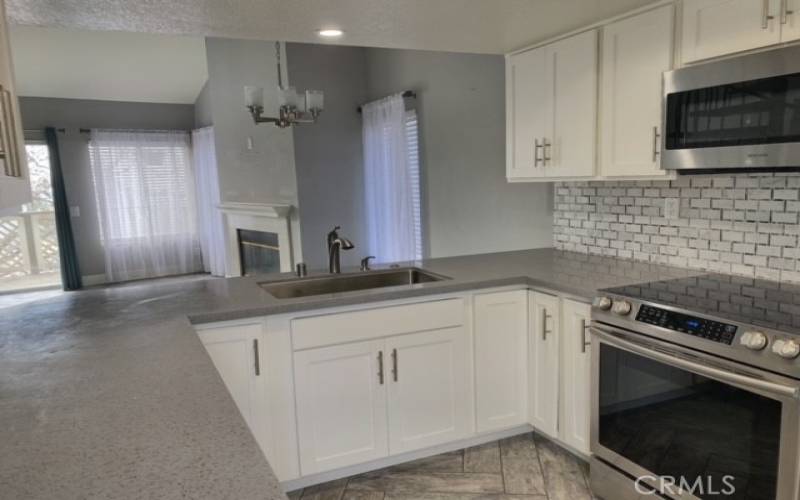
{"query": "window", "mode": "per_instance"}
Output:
(412, 158)
(144, 188)
(392, 180)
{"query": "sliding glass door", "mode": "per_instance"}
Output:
(28, 239)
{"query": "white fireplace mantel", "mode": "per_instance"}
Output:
(267, 217)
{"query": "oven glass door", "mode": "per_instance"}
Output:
(763, 111)
(675, 423)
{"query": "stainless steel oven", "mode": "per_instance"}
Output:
(742, 112)
(691, 406)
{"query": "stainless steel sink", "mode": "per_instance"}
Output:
(351, 282)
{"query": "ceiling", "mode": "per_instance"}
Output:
(482, 26)
(108, 66)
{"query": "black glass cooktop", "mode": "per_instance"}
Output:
(758, 302)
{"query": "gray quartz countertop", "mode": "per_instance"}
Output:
(108, 393)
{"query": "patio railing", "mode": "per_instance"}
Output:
(28, 244)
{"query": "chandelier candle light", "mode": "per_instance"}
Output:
(293, 109)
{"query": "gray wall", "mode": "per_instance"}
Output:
(328, 155)
(266, 172)
(469, 206)
(72, 114)
(202, 108)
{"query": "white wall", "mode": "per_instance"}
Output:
(469, 205)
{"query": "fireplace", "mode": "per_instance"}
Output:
(259, 252)
(258, 238)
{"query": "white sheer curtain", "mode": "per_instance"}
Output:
(144, 186)
(391, 174)
(210, 227)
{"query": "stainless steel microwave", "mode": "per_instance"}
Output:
(742, 112)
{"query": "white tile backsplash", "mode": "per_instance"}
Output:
(744, 224)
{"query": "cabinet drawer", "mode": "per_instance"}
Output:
(329, 329)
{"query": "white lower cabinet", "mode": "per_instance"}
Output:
(544, 364)
(559, 369)
(345, 387)
(427, 380)
(501, 359)
(236, 349)
(341, 405)
(575, 375)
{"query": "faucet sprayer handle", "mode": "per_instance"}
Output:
(365, 263)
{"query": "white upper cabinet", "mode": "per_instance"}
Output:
(14, 186)
(501, 359)
(636, 51)
(527, 103)
(789, 17)
(551, 102)
(713, 28)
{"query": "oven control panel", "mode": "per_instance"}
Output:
(692, 325)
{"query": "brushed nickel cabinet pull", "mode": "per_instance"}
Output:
(656, 136)
(380, 367)
(765, 16)
(536, 147)
(394, 364)
(785, 11)
(256, 360)
(545, 151)
(545, 331)
(584, 343)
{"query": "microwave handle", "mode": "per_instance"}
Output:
(675, 360)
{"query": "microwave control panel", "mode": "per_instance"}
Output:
(684, 323)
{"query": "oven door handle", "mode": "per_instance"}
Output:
(678, 361)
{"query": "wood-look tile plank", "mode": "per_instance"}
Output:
(445, 462)
(483, 458)
(564, 474)
(522, 473)
(413, 482)
(332, 490)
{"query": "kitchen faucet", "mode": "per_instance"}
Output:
(335, 245)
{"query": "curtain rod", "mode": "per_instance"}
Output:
(406, 93)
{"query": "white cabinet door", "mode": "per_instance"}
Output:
(236, 351)
(528, 104)
(428, 384)
(572, 62)
(575, 375)
(14, 181)
(790, 20)
(716, 27)
(544, 363)
(501, 359)
(636, 51)
(341, 405)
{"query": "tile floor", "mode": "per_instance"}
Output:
(518, 468)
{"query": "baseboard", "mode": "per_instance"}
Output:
(93, 279)
(323, 477)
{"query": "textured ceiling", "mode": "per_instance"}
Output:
(132, 67)
(484, 26)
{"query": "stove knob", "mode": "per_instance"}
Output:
(622, 307)
(754, 340)
(788, 349)
(603, 303)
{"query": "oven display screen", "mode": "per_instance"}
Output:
(698, 327)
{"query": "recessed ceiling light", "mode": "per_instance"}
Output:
(330, 33)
